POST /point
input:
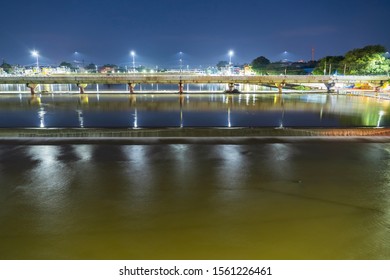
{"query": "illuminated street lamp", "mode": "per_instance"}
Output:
(35, 53)
(181, 61)
(78, 60)
(285, 56)
(231, 53)
(132, 53)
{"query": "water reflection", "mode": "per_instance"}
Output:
(83, 152)
(80, 117)
(138, 168)
(188, 201)
(232, 171)
(196, 110)
(381, 113)
(280, 156)
(41, 116)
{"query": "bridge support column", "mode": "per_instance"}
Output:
(231, 89)
(131, 87)
(329, 86)
(181, 87)
(32, 88)
(82, 87)
(280, 86)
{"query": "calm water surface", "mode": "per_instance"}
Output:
(192, 110)
(317, 200)
(188, 201)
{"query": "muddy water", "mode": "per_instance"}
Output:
(325, 200)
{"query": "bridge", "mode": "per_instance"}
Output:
(279, 81)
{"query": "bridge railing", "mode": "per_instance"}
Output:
(184, 78)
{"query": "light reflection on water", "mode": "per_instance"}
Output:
(189, 201)
(192, 110)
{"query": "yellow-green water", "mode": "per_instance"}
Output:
(325, 200)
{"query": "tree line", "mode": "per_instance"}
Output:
(369, 60)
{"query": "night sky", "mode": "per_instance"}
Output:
(105, 31)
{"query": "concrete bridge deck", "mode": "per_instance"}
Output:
(279, 81)
(186, 79)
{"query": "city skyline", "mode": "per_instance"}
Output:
(200, 33)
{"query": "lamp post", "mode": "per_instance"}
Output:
(285, 56)
(132, 53)
(35, 54)
(231, 53)
(181, 61)
(76, 59)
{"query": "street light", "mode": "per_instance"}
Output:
(181, 61)
(231, 53)
(132, 53)
(285, 56)
(78, 59)
(35, 53)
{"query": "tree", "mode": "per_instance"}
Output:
(260, 63)
(110, 66)
(222, 64)
(329, 65)
(6, 67)
(91, 67)
(66, 64)
(369, 60)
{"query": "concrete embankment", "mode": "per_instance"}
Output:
(189, 135)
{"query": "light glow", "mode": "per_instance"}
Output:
(35, 53)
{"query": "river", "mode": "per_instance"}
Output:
(209, 200)
(187, 201)
(192, 110)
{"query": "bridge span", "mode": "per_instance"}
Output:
(82, 80)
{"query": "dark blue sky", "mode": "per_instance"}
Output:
(104, 31)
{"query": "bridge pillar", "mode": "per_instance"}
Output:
(131, 87)
(329, 86)
(280, 86)
(82, 87)
(231, 89)
(181, 87)
(32, 88)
